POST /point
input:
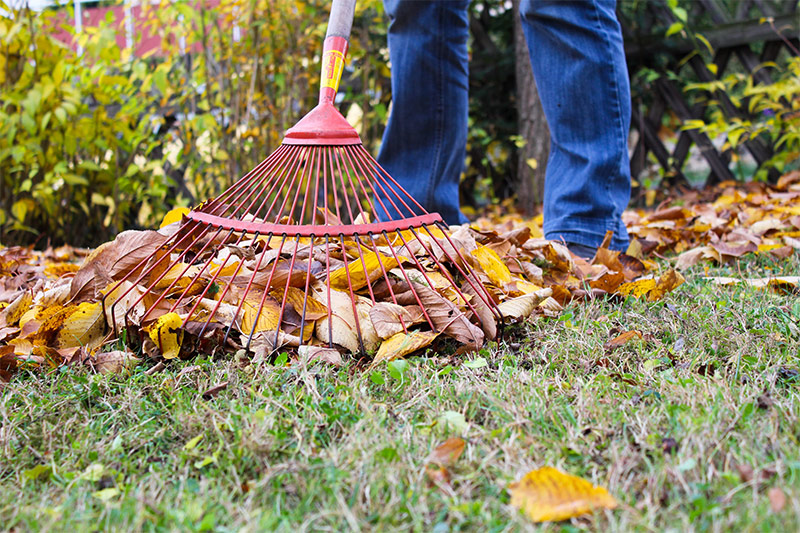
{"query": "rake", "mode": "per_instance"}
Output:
(271, 257)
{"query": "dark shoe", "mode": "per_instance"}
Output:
(581, 250)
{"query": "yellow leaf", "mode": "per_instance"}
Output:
(174, 215)
(547, 494)
(666, 283)
(637, 288)
(402, 344)
(492, 266)
(85, 327)
(167, 334)
(268, 317)
(17, 309)
(314, 309)
(358, 276)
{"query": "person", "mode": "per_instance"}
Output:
(578, 61)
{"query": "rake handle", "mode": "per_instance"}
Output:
(341, 20)
(335, 48)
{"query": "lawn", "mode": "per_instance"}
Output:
(693, 427)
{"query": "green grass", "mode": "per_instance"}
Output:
(662, 423)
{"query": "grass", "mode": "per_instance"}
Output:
(662, 423)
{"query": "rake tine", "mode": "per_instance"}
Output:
(411, 285)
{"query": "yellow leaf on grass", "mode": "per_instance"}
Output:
(174, 215)
(402, 344)
(85, 327)
(492, 266)
(548, 494)
(652, 288)
(167, 334)
(622, 339)
(358, 276)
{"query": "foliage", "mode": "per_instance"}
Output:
(774, 113)
(91, 144)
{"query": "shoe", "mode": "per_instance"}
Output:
(582, 250)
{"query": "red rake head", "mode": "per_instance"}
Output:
(304, 248)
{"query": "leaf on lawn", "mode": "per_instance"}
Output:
(548, 494)
(777, 499)
(167, 335)
(652, 288)
(11, 314)
(621, 339)
(114, 362)
(402, 344)
(442, 458)
(213, 391)
(85, 327)
(327, 355)
(257, 317)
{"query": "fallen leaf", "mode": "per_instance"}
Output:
(777, 499)
(167, 335)
(523, 306)
(402, 344)
(492, 266)
(448, 452)
(213, 391)
(85, 327)
(361, 270)
(547, 494)
(327, 355)
(388, 319)
(622, 339)
(114, 362)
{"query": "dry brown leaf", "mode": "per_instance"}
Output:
(448, 452)
(445, 315)
(213, 391)
(112, 261)
(388, 318)
(777, 499)
(341, 329)
(547, 495)
(523, 306)
(114, 362)
(621, 339)
(327, 355)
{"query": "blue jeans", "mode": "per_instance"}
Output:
(578, 61)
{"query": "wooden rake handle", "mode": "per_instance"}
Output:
(335, 49)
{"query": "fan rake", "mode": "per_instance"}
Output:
(318, 219)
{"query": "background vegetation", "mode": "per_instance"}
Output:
(95, 143)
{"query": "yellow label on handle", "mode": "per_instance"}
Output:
(332, 65)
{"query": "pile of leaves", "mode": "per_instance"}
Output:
(723, 222)
(66, 306)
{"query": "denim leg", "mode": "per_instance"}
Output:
(424, 144)
(578, 61)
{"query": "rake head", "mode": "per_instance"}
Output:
(304, 248)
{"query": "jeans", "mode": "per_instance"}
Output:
(578, 61)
